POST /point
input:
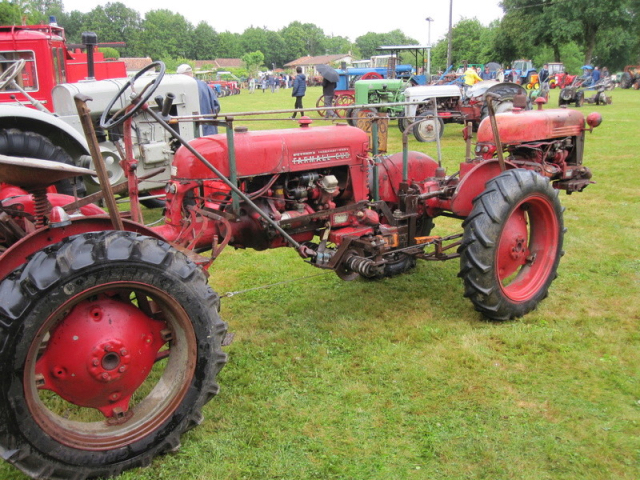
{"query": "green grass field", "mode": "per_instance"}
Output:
(401, 378)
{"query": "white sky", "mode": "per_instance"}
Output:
(347, 18)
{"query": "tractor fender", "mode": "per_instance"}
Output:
(20, 251)
(46, 124)
(472, 183)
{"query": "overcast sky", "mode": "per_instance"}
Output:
(350, 18)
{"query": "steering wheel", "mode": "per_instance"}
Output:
(137, 99)
(11, 73)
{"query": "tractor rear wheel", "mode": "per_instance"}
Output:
(320, 104)
(579, 99)
(344, 102)
(110, 344)
(16, 143)
(362, 117)
(626, 80)
(427, 129)
(512, 244)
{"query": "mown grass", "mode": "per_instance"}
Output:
(401, 378)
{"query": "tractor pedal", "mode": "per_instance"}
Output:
(228, 339)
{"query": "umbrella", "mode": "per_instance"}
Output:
(586, 67)
(328, 73)
(493, 66)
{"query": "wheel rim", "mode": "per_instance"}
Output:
(428, 129)
(320, 104)
(146, 383)
(527, 248)
(344, 101)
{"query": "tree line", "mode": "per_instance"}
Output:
(602, 32)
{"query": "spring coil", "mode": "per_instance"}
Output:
(361, 265)
(41, 206)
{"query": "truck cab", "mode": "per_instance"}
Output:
(48, 62)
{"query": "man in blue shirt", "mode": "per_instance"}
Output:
(209, 104)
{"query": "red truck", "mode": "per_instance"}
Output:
(49, 62)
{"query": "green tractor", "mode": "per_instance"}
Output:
(382, 92)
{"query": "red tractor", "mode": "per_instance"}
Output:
(110, 338)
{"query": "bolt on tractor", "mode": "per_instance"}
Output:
(110, 336)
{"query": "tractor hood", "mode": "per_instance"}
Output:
(270, 152)
(422, 92)
(521, 126)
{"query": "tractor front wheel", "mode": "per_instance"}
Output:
(403, 123)
(427, 129)
(110, 344)
(512, 244)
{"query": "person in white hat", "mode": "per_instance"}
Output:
(209, 103)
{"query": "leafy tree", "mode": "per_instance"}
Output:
(204, 42)
(164, 34)
(469, 41)
(114, 22)
(229, 45)
(253, 38)
(109, 52)
(369, 42)
(589, 23)
(72, 23)
(38, 11)
(253, 61)
(10, 13)
(338, 45)
(314, 39)
(275, 50)
(295, 41)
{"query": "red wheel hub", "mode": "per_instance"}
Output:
(100, 354)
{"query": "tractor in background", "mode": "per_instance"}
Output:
(630, 77)
(521, 72)
(110, 336)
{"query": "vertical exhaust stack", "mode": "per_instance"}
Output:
(90, 40)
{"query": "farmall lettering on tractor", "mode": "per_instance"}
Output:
(110, 337)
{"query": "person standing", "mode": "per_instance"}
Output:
(265, 82)
(328, 91)
(209, 104)
(595, 76)
(298, 91)
(543, 75)
(252, 84)
(471, 76)
(486, 74)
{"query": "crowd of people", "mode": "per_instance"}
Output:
(270, 82)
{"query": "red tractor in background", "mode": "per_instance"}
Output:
(110, 337)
